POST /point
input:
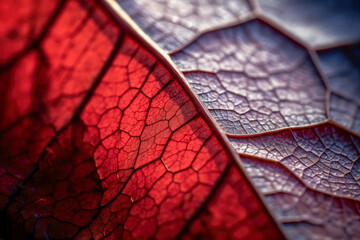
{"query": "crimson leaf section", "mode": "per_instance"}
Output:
(19, 30)
(341, 66)
(128, 156)
(173, 23)
(253, 79)
(44, 84)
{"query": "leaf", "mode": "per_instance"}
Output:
(287, 99)
(226, 215)
(45, 84)
(319, 24)
(305, 213)
(100, 138)
(324, 157)
(22, 29)
(172, 23)
(256, 79)
(341, 66)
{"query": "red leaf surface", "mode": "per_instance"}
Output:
(100, 138)
(304, 212)
(320, 23)
(45, 84)
(324, 157)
